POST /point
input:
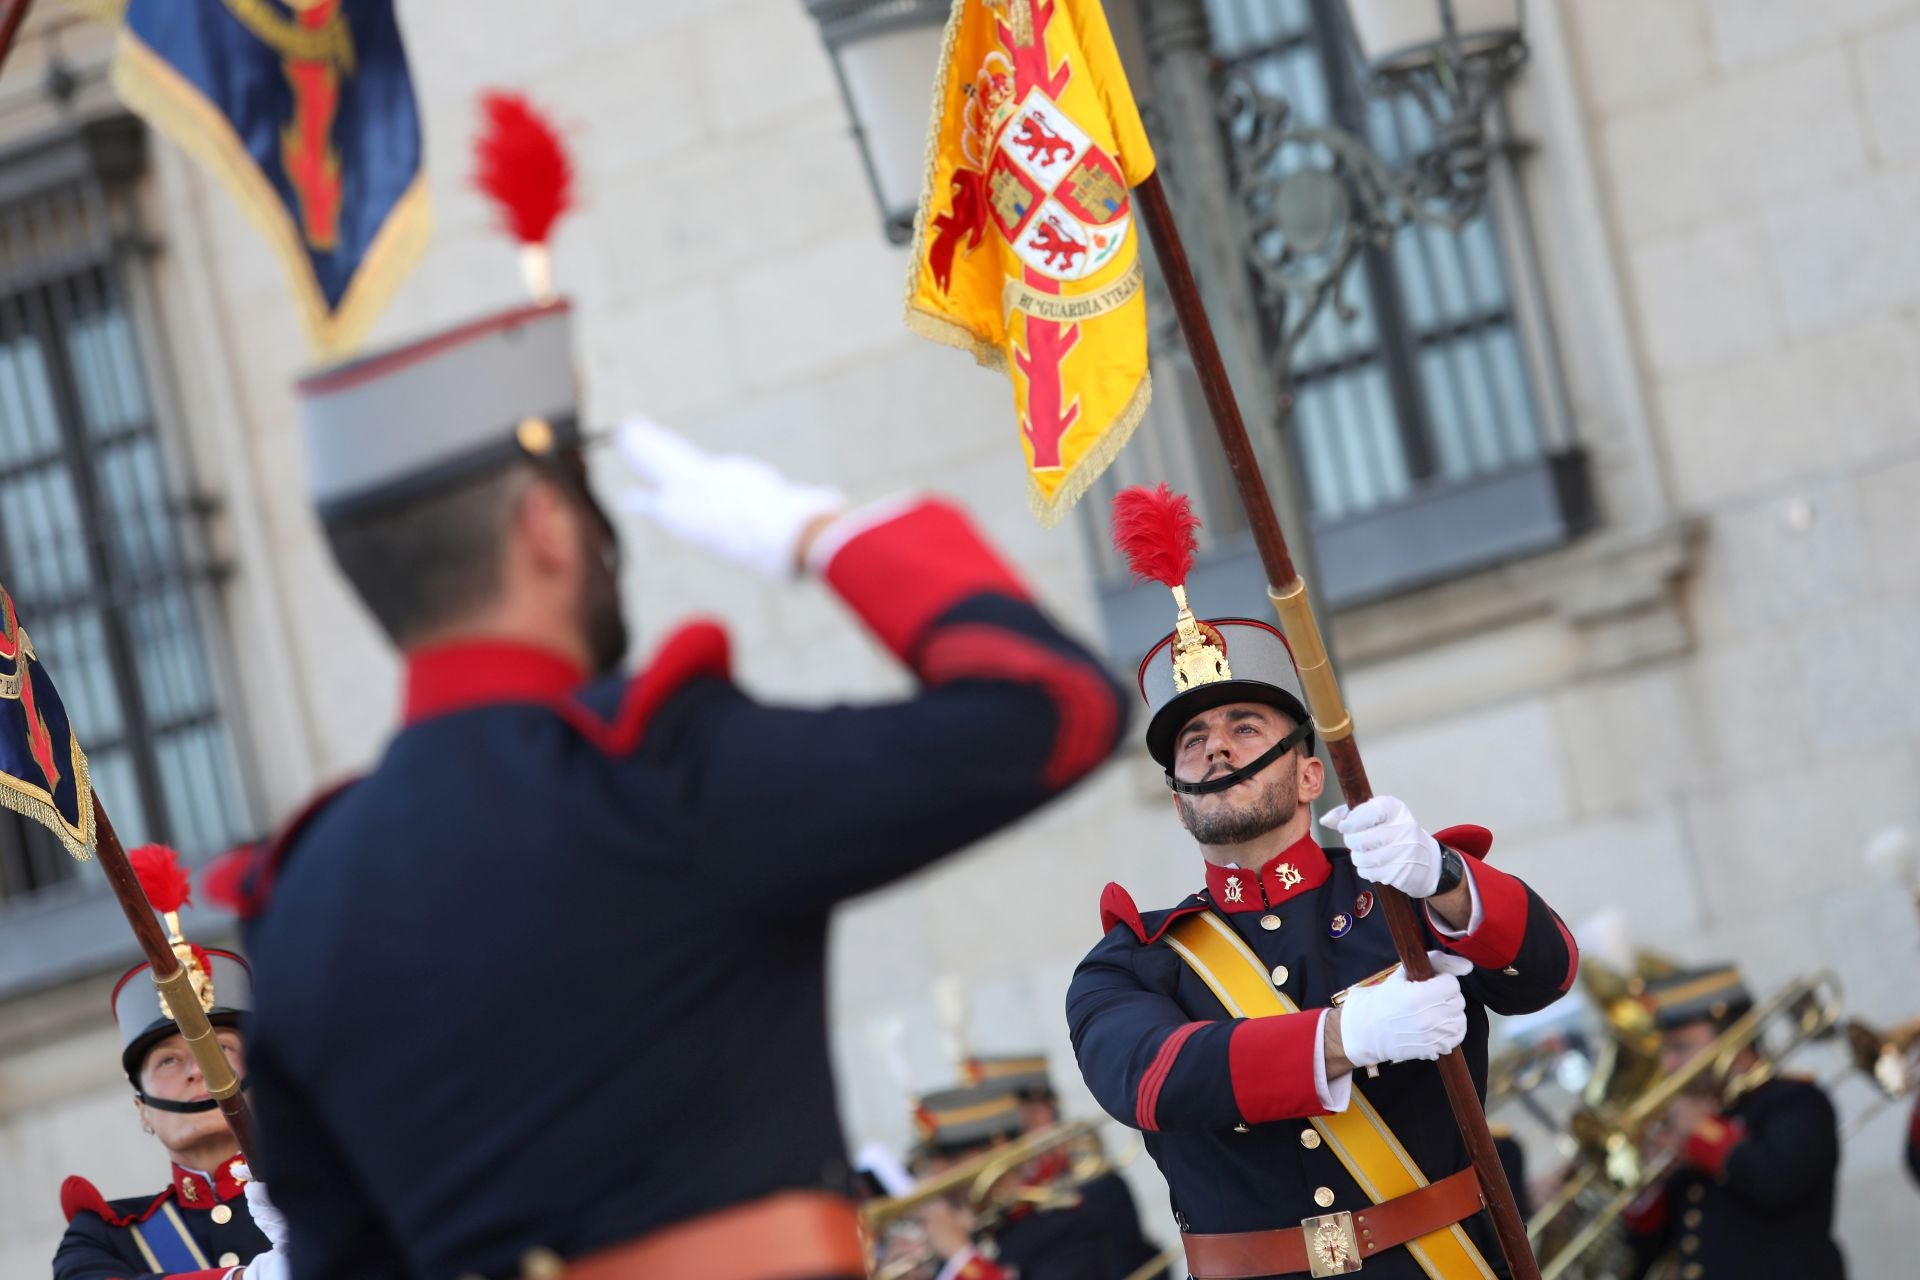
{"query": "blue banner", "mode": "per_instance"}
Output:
(43, 773)
(306, 111)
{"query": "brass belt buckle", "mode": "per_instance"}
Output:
(1332, 1248)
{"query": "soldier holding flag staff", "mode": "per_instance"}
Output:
(1233, 1029)
(203, 1225)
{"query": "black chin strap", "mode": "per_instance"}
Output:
(1236, 776)
(181, 1108)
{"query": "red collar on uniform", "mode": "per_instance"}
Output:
(471, 673)
(1294, 870)
(191, 1190)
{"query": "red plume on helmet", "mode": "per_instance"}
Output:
(1155, 529)
(522, 165)
(161, 877)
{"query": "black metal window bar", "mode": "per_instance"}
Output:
(97, 551)
(1426, 423)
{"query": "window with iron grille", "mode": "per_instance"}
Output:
(1426, 422)
(99, 552)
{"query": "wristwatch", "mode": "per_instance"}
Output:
(1453, 869)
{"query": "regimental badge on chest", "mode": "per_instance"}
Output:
(1340, 926)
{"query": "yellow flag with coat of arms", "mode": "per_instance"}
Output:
(1025, 250)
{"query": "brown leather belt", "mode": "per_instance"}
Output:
(1337, 1242)
(796, 1235)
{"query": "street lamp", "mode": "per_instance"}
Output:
(885, 53)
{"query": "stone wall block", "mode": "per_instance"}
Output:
(1703, 298)
(1843, 253)
(1632, 51)
(1782, 128)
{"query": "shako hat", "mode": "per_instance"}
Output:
(1025, 1074)
(956, 1119)
(385, 429)
(1202, 663)
(220, 979)
(1714, 993)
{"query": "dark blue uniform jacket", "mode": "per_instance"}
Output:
(1223, 1102)
(1766, 1211)
(554, 973)
(101, 1242)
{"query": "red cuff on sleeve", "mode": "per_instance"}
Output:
(1503, 919)
(211, 1273)
(902, 574)
(1146, 1099)
(1272, 1064)
(1710, 1142)
(1647, 1213)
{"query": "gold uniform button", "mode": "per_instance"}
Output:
(1279, 975)
(1511, 972)
(542, 1264)
(1324, 1197)
(1696, 1193)
(1310, 1139)
(1691, 1220)
(1269, 922)
(1692, 1271)
(1242, 1128)
(229, 1260)
(1690, 1244)
(222, 1214)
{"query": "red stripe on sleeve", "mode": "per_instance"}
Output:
(1088, 707)
(1271, 1060)
(902, 574)
(1573, 954)
(1146, 1100)
(1503, 919)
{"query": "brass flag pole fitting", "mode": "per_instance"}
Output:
(1302, 630)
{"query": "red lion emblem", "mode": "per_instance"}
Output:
(1043, 145)
(1050, 239)
(965, 219)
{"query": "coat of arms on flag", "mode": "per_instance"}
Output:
(43, 773)
(305, 110)
(1025, 252)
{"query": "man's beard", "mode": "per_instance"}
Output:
(601, 618)
(1271, 809)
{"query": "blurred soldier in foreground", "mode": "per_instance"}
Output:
(1106, 1198)
(202, 1226)
(566, 943)
(1230, 1028)
(1754, 1194)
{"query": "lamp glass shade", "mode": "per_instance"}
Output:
(1404, 34)
(889, 82)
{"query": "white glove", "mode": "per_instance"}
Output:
(266, 1214)
(1398, 1021)
(271, 1265)
(1388, 845)
(736, 507)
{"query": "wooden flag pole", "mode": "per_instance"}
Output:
(176, 989)
(1289, 595)
(10, 26)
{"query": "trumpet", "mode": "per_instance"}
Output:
(988, 1184)
(1612, 1170)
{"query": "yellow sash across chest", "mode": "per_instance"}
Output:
(1358, 1135)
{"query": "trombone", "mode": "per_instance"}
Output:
(1613, 1164)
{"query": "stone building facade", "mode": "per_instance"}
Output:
(1698, 709)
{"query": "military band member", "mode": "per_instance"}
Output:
(1124, 1246)
(201, 1226)
(1032, 1238)
(573, 924)
(1753, 1195)
(1265, 1124)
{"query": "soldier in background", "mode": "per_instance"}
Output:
(1753, 1193)
(201, 1226)
(1107, 1198)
